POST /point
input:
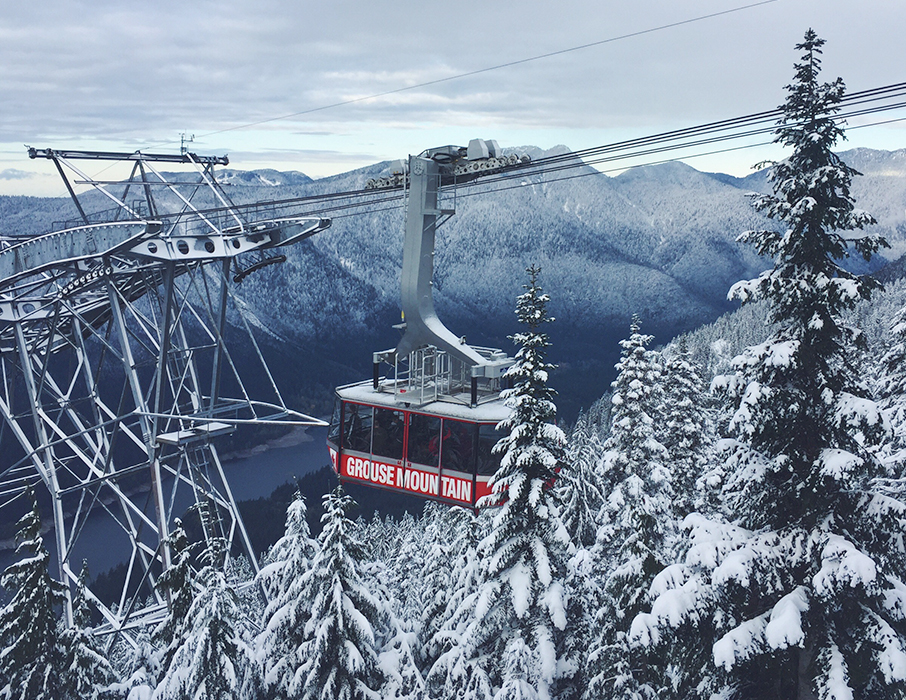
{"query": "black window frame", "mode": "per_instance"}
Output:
(403, 427)
(466, 441)
(346, 416)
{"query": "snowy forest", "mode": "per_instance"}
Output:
(728, 522)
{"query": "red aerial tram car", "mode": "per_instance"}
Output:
(438, 450)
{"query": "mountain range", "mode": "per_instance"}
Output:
(658, 241)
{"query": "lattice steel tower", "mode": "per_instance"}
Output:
(114, 368)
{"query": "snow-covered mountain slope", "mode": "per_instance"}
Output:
(261, 178)
(658, 241)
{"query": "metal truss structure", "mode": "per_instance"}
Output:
(115, 373)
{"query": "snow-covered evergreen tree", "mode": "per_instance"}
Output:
(803, 595)
(139, 669)
(31, 655)
(87, 669)
(407, 562)
(683, 419)
(379, 536)
(892, 389)
(177, 583)
(447, 535)
(525, 552)
(399, 637)
(585, 581)
(454, 672)
(287, 613)
(579, 487)
(212, 658)
(637, 475)
(520, 671)
(338, 658)
(637, 523)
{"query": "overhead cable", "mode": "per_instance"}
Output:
(745, 126)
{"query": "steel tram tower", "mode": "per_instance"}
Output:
(115, 372)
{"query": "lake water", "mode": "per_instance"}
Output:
(252, 476)
(258, 474)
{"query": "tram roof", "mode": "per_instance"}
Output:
(490, 409)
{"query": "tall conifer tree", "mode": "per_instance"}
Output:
(579, 487)
(31, 655)
(338, 658)
(892, 389)
(212, 658)
(637, 524)
(522, 596)
(88, 671)
(288, 611)
(803, 594)
(455, 666)
(683, 417)
(177, 584)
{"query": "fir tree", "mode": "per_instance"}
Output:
(338, 658)
(585, 583)
(177, 584)
(398, 581)
(635, 465)
(520, 671)
(88, 671)
(637, 523)
(31, 656)
(287, 613)
(583, 502)
(408, 559)
(683, 416)
(212, 658)
(803, 593)
(525, 552)
(892, 389)
(446, 536)
(139, 669)
(455, 672)
(579, 487)
(379, 537)
(402, 678)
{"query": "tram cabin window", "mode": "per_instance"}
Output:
(488, 462)
(357, 427)
(387, 437)
(424, 440)
(456, 448)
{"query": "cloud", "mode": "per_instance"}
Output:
(119, 76)
(14, 174)
(302, 155)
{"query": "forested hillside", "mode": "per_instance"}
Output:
(425, 576)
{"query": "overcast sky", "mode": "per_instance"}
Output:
(129, 75)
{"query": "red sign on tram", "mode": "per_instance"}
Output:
(415, 481)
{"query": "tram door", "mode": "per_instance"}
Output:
(457, 460)
(423, 447)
